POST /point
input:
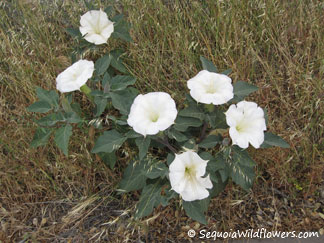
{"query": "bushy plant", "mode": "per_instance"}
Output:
(191, 153)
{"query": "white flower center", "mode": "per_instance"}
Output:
(211, 88)
(154, 116)
(242, 126)
(190, 173)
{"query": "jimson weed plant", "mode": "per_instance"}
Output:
(189, 153)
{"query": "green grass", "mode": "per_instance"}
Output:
(276, 45)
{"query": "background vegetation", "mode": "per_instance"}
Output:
(276, 45)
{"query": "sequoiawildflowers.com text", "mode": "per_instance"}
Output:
(250, 233)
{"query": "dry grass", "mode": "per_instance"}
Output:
(276, 45)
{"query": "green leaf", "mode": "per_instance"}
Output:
(72, 117)
(134, 176)
(150, 198)
(210, 141)
(39, 106)
(242, 89)
(217, 119)
(109, 142)
(41, 137)
(143, 144)
(50, 97)
(122, 100)
(227, 71)
(121, 29)
(132, 134)
(192, 111)
(116, 61)
(155, 168)
(73, 32)
(120, 82)
(109, 159)
(50, 120)
(242, 157)
(62, 137)
(242, 168)
(271, 140)
(170, 158)
(208, 65)
(182, 123)
(108, 10)
(101, 104)
(178, 136)
(102, 64)
(169, 194)
(196, 209)
(105, 82)
(218, 184)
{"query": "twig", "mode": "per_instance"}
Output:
(203, 132)
(166, 143)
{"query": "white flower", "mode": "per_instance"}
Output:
(211, 88)
(247, 124)
(152, 112)
(75, 76)
(96, 27)
(186, 176)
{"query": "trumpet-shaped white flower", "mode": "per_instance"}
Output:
(211, 88)
(96, 27)
(186, 176)
(152, 112)
(247, 124)
(75, 76)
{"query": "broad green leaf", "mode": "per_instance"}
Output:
(155, 169)
(178, 136)
(72, 117)
(241, 168)
(120, 82)
(99, 93)
(170, 158)
(196, 209)
(74, 32)
(41, 137)
(192, 111)
(143, 144)
(50, 97)
(210, 141)
(62, 137)
(134, 177)
(150, 198)
(105, 82)
(242, 157)
(190, 144)
(102, 64)
(108, 10)
(216, 163)
(133, 134)
(39, 106)
(121, 121)
(122, 100)
(182, 123)
(50, 120)
(109, 142)
(116, 61)
(242, 89)
(208, 65)
(227, 71)
(169, 194)
(121, 29)
(109, 159)
(271, 140)
(101, 104)
(218, 184)
(217, 119)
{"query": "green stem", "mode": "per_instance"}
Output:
(86, 90)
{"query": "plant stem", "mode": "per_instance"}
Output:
(86, 90)
(203, 132)
(166, 143)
